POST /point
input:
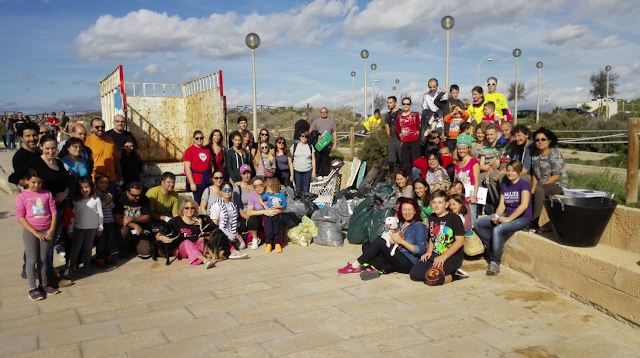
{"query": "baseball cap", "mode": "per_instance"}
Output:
(244, 168)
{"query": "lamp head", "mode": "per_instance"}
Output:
(252, 40)
(489, 59)
(608, 68)
(364, 54)
(447, 22)
(397, 81)
(539, 65)
(394, 88)
(353, 73)
(373, 66)
(517, 52)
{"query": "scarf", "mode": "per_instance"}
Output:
(225, 217)
(429, 100)
(480, 101)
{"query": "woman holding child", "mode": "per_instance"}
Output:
(256, 210)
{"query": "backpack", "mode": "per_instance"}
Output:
(295, 146)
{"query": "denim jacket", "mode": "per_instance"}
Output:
(415, 234)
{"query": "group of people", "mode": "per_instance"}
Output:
(439, 160)
(10, 124)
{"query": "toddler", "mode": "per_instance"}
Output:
(86, 224)
(273, 199)
(490, 117)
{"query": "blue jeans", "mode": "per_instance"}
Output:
(303, 180)
(11, 141)
(493, 235)
(473, 211)
(415, 174)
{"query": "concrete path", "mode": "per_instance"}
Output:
(294, 305)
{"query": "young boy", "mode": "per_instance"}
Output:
(103, 245)
(242, 126)
(454, 119)
(490, 117)
(273, 199)
(442, 261)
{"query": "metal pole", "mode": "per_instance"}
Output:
(482, 59)
(255, 100)
(632, 160)
(538, 105)
(365, 89)
(607, 101)
(446, 71)
(515, 117)
(353, 80)
(373, 91)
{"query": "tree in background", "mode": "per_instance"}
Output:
(599, 83)
(511, 93)
(585, 106)
(380, 102)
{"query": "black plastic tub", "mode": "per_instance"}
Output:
(579, 222)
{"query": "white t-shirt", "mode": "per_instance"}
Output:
(302, 157)
(216, 211)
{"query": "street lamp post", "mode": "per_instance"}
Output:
(373, 86)
(447, 23)
(516, 54)
(539, 66)
(489, 59)
(394, 90)
(253, 41)
(353, 83)
(608, 68)
(364, 54)
(546, 101)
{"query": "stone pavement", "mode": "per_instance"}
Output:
(294, 305)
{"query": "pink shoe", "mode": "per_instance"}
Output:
(349, 270)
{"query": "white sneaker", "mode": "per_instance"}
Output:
(208, 264)
(242, 245)
(255, 243)
(462, 273)
(238, 255)
(61, 256)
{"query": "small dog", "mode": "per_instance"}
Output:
(165, 248)
(391, 226)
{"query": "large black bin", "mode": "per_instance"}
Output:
(579, 222)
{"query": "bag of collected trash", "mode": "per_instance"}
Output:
(367, 221)
(329, 234)
(296, 207)
(303, 234)
(289, 221)
(344, 209)
(326, 214)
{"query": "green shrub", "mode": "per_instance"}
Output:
(374, 148)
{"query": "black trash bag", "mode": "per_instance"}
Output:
(348, 193)
(289, 193)
(365, 191)
(329, 234)
(345, 209)
(367, 221)
(309, 205)
(326, 214)
(289, 220)
(306, 196)
(296, 207)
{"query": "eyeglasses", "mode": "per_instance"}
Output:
(198, 138)
(537, 140)
(45, 132)
(98, 127)
(264, 134)
(190, 208)
(226, 190)
(491, 84)
(134, 195)
(218, 178)
(303, 136)
(406, 104)
(279, 142)
(264, 147)
(257, 186)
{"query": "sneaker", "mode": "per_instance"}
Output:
(62, 256)
(24, 271)
(50, 290)
(208, 264)
(268, 249)
(461, 274)
(278, 248)
(349, 270)
(238, 255)
(494, 269)
(369, 274)
(101, 264)
(35, 295)
(108, 260)
(255, 243)
(70, 272)
(242, 245)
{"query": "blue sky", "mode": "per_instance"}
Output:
(54, 51)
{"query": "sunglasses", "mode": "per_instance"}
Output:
(98, 127)
(491, 84)
(198, 138)
(190, 208)
(218, 178)
(257, 186)
(264, 134)
(279, 142)
(303, 136)
(537, 140)
(264, 147)
(45, 132)
(226, 190)
(134, 195)
(406, 104)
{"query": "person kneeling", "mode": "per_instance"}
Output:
(442, 261)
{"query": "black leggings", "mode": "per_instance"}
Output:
(379, 256)
(409, 152)
(419, 271)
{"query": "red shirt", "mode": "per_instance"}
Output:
(421, 163)
(492, 119)
(53, 121)
(408, 126)
(200, 159)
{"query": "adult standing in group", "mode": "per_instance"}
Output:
(513, 214)
(242, 126)
(496, 97)
(264, 136)
(549, 171)
(323, 125)
(476, 107)
(105, 154)
(163, 199)
(265, 162)
(301, 126)
(408, 129)
(64, 126)
(197, 166)
(18, 122)
(284, 162)
(3, 131)
(11, 133)
(211, 194)
(236, 158)
(468, 172)
(79, 131)
(52, 121)
(248, 143)
(255, 210)
(218, 151)
(119, 134)
(304, 163)
(130, 162)
(133, 216)
(393, 148)
(241, 193)
(431, 113)
(44, 131)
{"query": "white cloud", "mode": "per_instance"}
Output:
(153, 69)
(140, 33)
(611, 42)
(566, 33)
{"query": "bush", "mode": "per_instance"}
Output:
(374, 148)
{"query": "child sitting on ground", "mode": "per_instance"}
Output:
(273, 199)
(489, 116)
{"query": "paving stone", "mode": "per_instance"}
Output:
(195, 347)
(452, 326)
(65, 351)
(43, 326)
(235, 338)
(506, 315)
(182, 300)
(517, 337)
(203, 309)
(291, 281)
(122, 343)
(18, 313)
(575, 324)
(377, 303)
(455, 347)
(117, 313)
(324, 299)
(64, 302)
(386, 342)
(586, 346)
(127, 294)
(333, 283)
(311, 320)
(340, 349)
(250, 351)
(300, 342)
(154, 319)
(240, 289)
(104, 285)
(377, 287)
(199, 327)
(421, 294)
(278, 294)
(371, 324)
(18, 343)
(265, 312)
(36, 319)
(411, 315)
(78, 334)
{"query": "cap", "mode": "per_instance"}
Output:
(244, 168)
(463, 141)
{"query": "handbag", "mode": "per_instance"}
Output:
(268, 173)
(472, 244)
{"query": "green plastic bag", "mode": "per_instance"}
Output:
(357, 231)
(303, 233)
(326, 139)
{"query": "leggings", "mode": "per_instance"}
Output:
(36, 252)
(543, 191)
(409, 152)
(190, 249)
(419, 271)
(82, 239)
(397, 263)
(103, 242)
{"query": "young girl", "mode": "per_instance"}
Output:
(264, 162)
(224, 213)
(103, 247)
(444, 255)
(458, 205)
(131, 163)
(455, 119)
(216, 146)
(36, 212)
(273, 199)
(403, 184)
(86, 224)
(423, 198)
